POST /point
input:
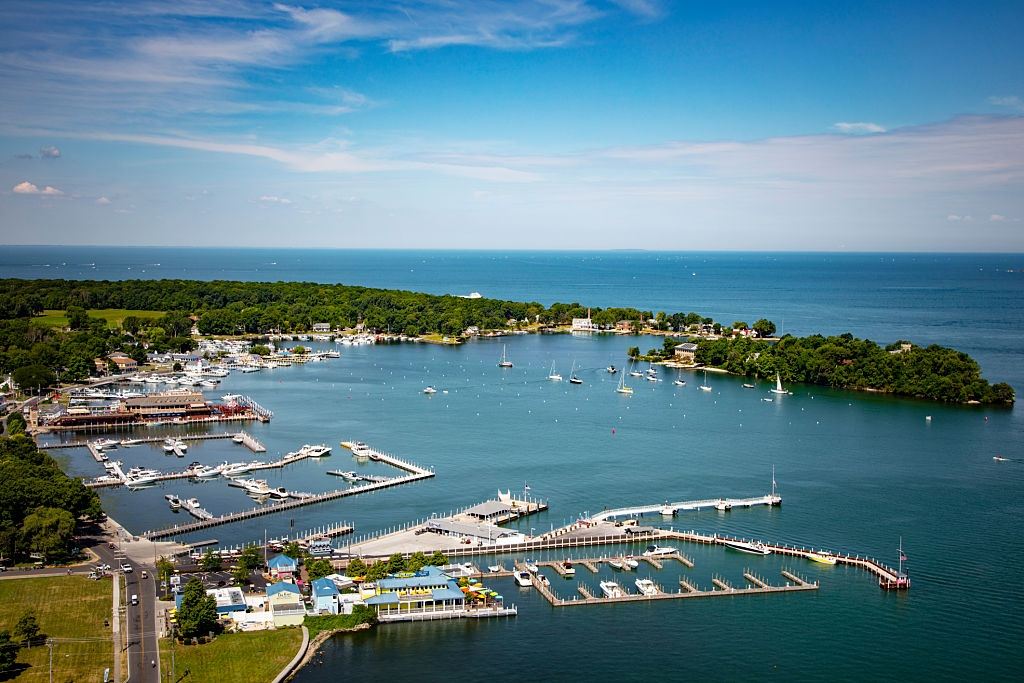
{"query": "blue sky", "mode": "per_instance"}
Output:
(539, 124)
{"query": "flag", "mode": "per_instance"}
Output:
(774, 484)
(903, 558)
(526, 487)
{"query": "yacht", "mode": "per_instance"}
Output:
(128, 443)
(504, 362)
(174, 501)
(238, 438)
(279, 492)
(349, 475)
(361, 450)
(616, 564)
(256, 487)
(745, 547)
(722, 506)
(612, 589)
(192, 503)
(317, 451)
(429, 390)
(656, 550)
(822, 557)
(105, 443)
(523, 578)
(205, 472)
(531, 566)
(629, 563)
(646, 587)
(568, 569)
(553, 376)
(234, 469)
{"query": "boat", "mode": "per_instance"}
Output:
(136, 480)
(192, 504)
(255, 487)
(745, 547)
(128, 443)
(523, 578)
(611, 369)
(646, 587)
(656, 550)
(361, 450)
(568, 569)
(722, 506)
(652, 374)
(999, 458)
(554, 377)
(234, 469)
(629, 563)
(238, 438)
(635, 373)
(705, 386)
(668, 511)
(429, 390)
(616, 564)
(531, 566)
(822, 557)
(778, 386)
(766, 399)
(748, 386)
(205, 472)
(105, 443)
(680, 382)
(169, 444)
(504, 362)
(279, 492)
(612, 590)
(494, 568)
(544, 581)
(573, 379)
(349, 475)
(174, 501)
(317, 451)
(622, 388)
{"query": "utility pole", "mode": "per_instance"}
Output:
(49, 643)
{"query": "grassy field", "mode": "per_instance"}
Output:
(113, 316)
(250, 657)
(70, 609)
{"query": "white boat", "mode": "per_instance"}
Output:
(523, 578)
(279, 492)
(611, 369)
(361, 450)
(230, 398)
(573, 379)
(616, 564)
(238, 438)
(652, 374)
(168, 445)
(205, 472)
(745, 547)
(822, 557)
(622, 388)
(635, 373)
(656, 550)
(192, 504)
(429, 390)
(105, 443)
(504, 362)
(568, 569)
(128, 443)
(778, 386)
(494, 568)
(612, 590)
(256, 487)
(317, 451)
(629, 563)
(350, 475)
(553, 376)
(705, 386)
(174, 501)
(234, 469)
(680, 382)
(531, 566)
(141, 479)
(646, 587)
(722, 506)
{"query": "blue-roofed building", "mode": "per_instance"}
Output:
(285, 604)
(427, 591)
(325, 596)
(282, 566)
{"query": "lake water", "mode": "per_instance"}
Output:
(857, 472)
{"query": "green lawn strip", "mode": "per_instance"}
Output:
(65, 607)
(247, 657)
(113, 316)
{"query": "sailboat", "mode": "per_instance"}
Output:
(778, 386)
(622, 388)
(633, 372)
(705, 386)
(504, 362)
(573, 379)
(552, 376)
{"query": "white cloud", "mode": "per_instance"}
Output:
(997, 218)
(28, 188)
(1011, 101)
(275, 200)
(860, 127)
(955, 218)
(102, 200)
(49, 152)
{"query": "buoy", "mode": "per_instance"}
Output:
(613, 431)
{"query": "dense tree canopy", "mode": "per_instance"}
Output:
(197, 615)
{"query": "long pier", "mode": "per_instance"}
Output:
(669, 509)
(416, 473)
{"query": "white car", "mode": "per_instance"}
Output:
(126, 568)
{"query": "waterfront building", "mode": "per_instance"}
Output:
(324, 596)
(285, 604)
(429, 590)
(282, 567)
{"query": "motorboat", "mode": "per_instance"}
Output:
(256, 487)
(238, 438)
(141, 479)
(349, 475)
(205, 472)
(105, 443)
(361, 450)
(668, 511)
(612, 590)
(235, 469)
(128, 443)
(611, 369)
(279, 492)
(568, 569)
(822, 557)
(531, 566)
(616, 564)
(192, 503)
(747, 547)
(174, 501)
(629, 563)
(317, 451)
(523, 578)
(679, 382)
(656, 550)
(429, 390)
(722, 506)
(646, 587)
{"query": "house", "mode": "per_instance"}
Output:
(624, 326)
(285, 604)
(321, 327)
(188, 404)
(282, 567)
(584, 324)
(325, 596)
(229, 600)
(686, 352)
(101, 366)
(429, 590)
(124, 363)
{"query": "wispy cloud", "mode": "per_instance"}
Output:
(28, 188)
(1010, 101)
(49, 152)
(272, 199)
(860, 127)
(102, 201)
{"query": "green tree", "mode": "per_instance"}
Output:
(211, 561)
(33, 378)
(198, 612)
(260, 350)
(764, 328)
(633, 352)
(77, 317)
(16, 424)
(164, 569)
(377, 571)
(27, 628)
(131, 324)
(47, 530)
(356, 567)
(438, 559)
(8, 652)
(292, 550)
(417, 561)
(318, 568)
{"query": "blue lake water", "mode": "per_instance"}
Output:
(856, 471)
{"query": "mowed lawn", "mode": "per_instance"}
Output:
(248, 657)
(70, 609)
(113, 316)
